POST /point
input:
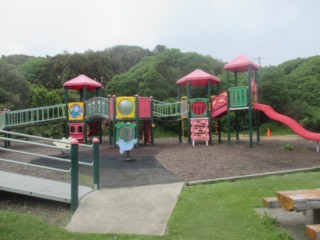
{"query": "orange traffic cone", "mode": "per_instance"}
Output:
(268, 133)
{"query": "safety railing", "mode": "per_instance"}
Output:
(166, 109)
(34, 115)
(73, 160)
(238, 97)
(2, 120)
(97, 106)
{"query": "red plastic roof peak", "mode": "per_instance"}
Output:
(82, 81)
(198, 78)
(240, 64)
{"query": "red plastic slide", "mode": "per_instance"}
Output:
(294, 125)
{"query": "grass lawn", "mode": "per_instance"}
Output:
(215, 211)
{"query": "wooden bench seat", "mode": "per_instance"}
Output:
(271, 202)
(307, 200)
(299, 200)
(313, 231)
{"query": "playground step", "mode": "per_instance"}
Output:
(313, 231)
(271, 202)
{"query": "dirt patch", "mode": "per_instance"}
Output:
(222, 160)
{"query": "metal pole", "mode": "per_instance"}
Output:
(228, 112)
(237, 112)
(180, 122)
(189, 112)
(257, 112)
(67, 112)
(208, 111)
(152, 124)
(96, 163)
(250, 107)
(74, 175)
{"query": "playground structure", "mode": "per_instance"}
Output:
(131, 118)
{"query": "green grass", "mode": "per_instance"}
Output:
(224, 210)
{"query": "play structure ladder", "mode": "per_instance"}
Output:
(32, 116)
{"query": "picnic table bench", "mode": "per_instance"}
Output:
(307, 201)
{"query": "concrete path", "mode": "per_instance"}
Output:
(139, 210)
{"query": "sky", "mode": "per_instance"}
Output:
(272, 30)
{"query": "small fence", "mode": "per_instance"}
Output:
(73, 160)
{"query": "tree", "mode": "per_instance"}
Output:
(157, 75)
(15, 91)
(44, 97)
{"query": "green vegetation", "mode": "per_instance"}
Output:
(224, 210)
(288, 147)
(291, 88)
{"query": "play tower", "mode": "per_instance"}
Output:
(242, 98)
(78, 125)
(196, 111)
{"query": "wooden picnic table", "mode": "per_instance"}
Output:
(307, 200)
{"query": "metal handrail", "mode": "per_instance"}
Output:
(40, 138)
(45, 156)
(2, 120)
(34, 165)
(73, 160)
(35, 115)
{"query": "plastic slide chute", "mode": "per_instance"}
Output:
(219, 105)
(294, 125)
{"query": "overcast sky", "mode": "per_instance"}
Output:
(275, 30)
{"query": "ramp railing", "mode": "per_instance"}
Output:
(2, 120)
(73, 160)
(33, 116)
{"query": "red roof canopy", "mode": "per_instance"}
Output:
(82, 81)
(198, 78)
(240, 64)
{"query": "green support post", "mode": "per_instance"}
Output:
(137, 118)
(250, 108)
(152, 128)
(219, 121)
(237, 113)
(114, 121)
(66, 99)
(189, 112)
(85, 114)
(74, 175)
(96, 163)
(180, 122)
(228, 109)
(208, 111)
(257, 112)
